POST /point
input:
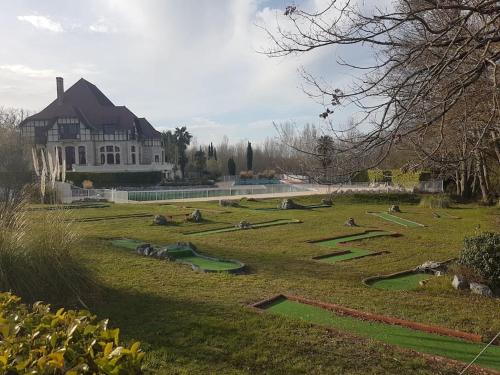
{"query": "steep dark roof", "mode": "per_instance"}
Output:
(147, 129)
(85, 101)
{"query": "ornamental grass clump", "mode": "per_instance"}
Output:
(36, 260)
(36, 340)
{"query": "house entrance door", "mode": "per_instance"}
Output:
(70, 157)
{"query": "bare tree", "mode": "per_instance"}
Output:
(14, 164)
(429, 58)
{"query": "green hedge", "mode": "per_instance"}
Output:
(35, 340)
(115, 179)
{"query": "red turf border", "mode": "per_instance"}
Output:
(372, 317)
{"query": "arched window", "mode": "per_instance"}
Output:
(70, 157)
(82, 155)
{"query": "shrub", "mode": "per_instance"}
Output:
(267, 174)
(38, 341)
(375, 175)
(87, 184)
(107, 180)
(435, 201)
(482, 255)
(246, 174)
(36, 261)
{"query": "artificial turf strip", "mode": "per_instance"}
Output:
(353, 252)
(404, 282)
(186, 256)
(397, 219)
(424, 342)
(254, 226)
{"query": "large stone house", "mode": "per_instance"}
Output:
(93, 135)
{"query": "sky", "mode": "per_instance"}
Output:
(176, 62)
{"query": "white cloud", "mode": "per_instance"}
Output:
(42, 22)
(102, 26)
(191, 62)
(27, 71)
(99, 28)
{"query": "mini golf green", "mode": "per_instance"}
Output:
(421, 341)
(344, 252)
(254, 226)
(397, 220)
(408, 281)
(186, 254)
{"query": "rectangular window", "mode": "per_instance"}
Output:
(69, 131)
(157, 158)
(133, 158)
(110, 159)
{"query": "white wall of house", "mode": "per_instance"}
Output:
(148, 153)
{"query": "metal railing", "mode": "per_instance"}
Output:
(213, 192)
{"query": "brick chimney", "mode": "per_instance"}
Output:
(60, 89)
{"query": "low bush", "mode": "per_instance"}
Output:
(37, 341)
(246, 175)
(481, 254)
(107, 180)
(266, 174)
(36, 260)
(87, 184)
(435, 201)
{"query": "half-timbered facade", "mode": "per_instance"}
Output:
(93, 135)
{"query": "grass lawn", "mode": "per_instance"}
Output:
(198, 323)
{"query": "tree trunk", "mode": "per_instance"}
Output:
(482, 181)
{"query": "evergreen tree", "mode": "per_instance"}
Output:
(231, 166)
(249, 157)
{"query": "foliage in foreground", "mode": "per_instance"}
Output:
(36, 260)
(481, 254)
(36, 340)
